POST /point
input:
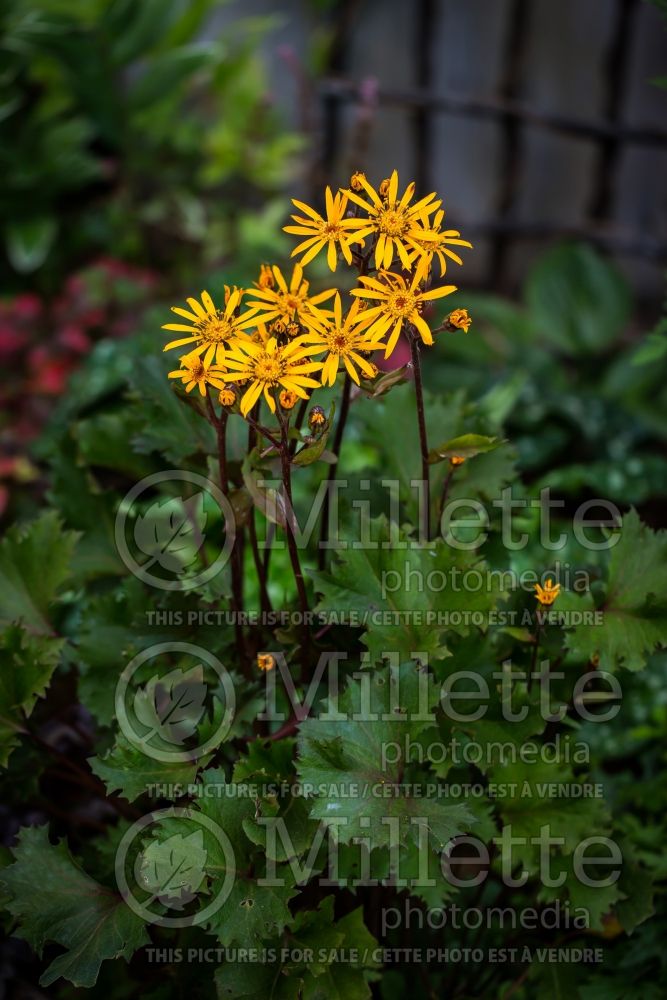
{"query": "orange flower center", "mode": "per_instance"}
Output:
(393, 223)
(269, 368)
(196, 368)
(215, 328)
(291, 303)
(339, 341)
(332, 230)
(401, 303)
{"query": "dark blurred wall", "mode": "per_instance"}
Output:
(536, 119)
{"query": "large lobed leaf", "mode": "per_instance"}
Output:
(34, 564)
(635, 602)
(360, 787)
(54, 900)
(405, 597)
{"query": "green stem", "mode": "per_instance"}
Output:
(445, 490)
(533, 661)
(265, 601)
(298, 423)
(220, 425)
(291, 540)
(423, 440)
(333, 469)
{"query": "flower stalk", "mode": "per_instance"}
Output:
(285, 462)
(425, 510)
(333, 470)
(264, 599)
(219, 423)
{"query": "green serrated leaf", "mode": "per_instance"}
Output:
(27, 663)
(357, 786)
(540, 794)
(634, 605)
(34, 565)
(55, 901)
(172, 870)
(405, 596)
(128, 770)
(252, 912)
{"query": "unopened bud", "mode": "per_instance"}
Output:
(356, 180)
(317, 417)
(287, 399)
(459, 319)
(266, 278)
(227, 397)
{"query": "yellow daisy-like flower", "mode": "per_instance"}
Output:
(547, 595)
(267, 366)
(282, 302)
(196, 371)
(332, 232)
(459, 319)
(398, 303)
(399, 226)
(265, 661)
(211, 328)
(438, 246)
(345, 339)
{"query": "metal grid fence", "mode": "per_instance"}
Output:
(384, 90)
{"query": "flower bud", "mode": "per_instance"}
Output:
(266, 278)
(317, 417)
(287, 399)
(227, 397)
(265, 661)
(547, 594)
(459, 319)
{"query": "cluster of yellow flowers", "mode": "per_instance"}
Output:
(276, 336)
